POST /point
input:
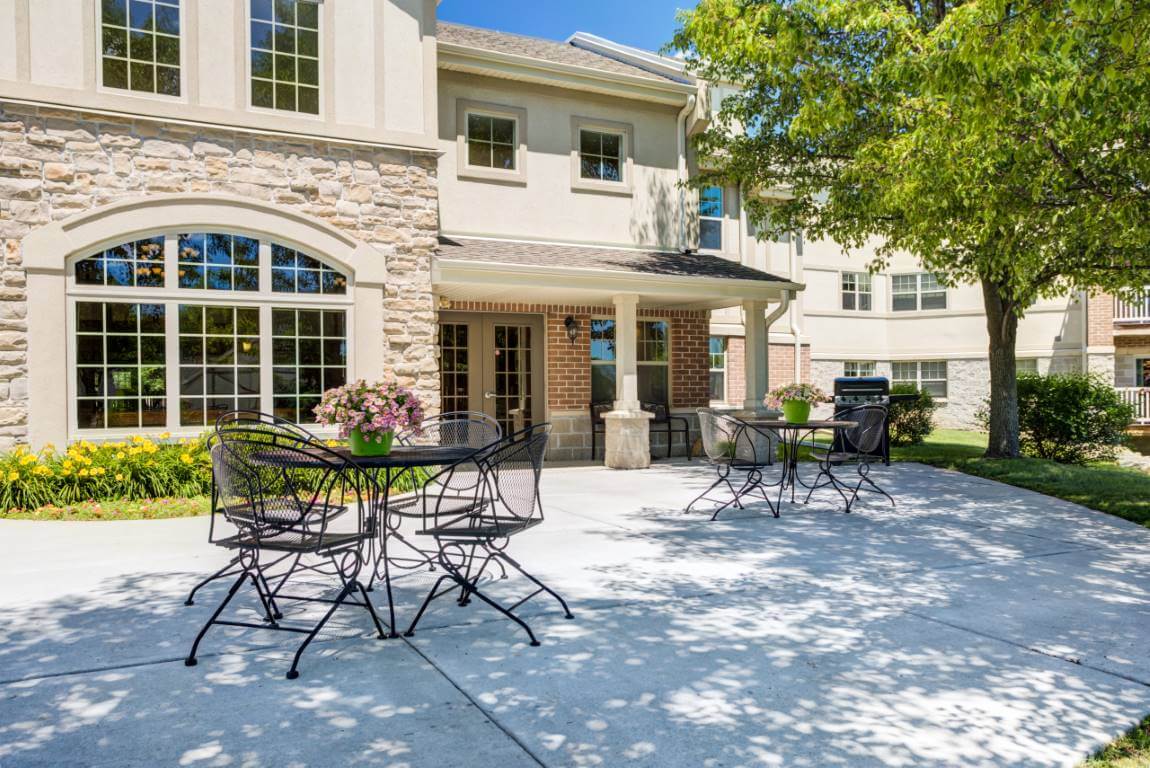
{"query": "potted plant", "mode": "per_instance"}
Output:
(369, 414)
(795, 401)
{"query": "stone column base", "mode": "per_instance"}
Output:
(627, 442)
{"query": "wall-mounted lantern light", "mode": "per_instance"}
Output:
(572, 326)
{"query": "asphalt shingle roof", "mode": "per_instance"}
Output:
(537, 48)
(607, 259)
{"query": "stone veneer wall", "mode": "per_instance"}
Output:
(56, 163)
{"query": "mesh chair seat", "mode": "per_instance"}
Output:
(296, 541)
(421, 506)
(285, 509)
(491, 528)
(838, 458)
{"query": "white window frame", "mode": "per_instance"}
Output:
(186, 39)
(1023, 365)
(464, 169)
(863, 285)
(720, 370)
(643, 363)
(626, 156)
(919, 380)
(919, 292)
(321, 65)
(171, 297)
(862, 368)
(1139, 366)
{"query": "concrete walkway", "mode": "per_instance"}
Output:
(976, 624)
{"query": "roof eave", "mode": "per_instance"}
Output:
(465, 58)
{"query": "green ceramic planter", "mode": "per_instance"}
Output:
(796, 411)
(367, 446)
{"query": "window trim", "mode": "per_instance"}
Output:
(321, 65)
(863, 364)
(857, 292)
(712, 370)
(1139, 363)
(918, 293)
(186, 40)
(721, 218)
(464, 170)
(171, 298)
(626, 156)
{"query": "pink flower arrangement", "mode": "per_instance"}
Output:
(806, 393)
(373, 409)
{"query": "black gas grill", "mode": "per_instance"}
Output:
(853, 391)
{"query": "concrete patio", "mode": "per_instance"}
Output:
(976, 624)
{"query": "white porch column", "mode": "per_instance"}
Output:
(627, 442)
(757, 350)
(626, 352)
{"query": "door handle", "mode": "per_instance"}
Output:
(489, 395)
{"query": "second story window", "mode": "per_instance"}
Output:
(856, 291)
(285, 55)
(600, 155)
(491, 142)
(711, 219)
(917, 291)
(140, 45)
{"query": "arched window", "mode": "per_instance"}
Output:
(171, 330)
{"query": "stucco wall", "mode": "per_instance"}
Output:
(58, 165)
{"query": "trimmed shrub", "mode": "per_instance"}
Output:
(911, 421)
(1072, 418)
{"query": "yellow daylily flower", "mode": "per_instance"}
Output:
(13, 476)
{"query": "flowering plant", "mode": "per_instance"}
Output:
(803, 393)
(373, 409)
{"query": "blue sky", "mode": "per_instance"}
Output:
(643, 23)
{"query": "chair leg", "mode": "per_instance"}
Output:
(515, 564)
(293, 673)
(191, 660)
(434, 593)
(221, 573)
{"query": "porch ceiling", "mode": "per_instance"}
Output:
(478, 269)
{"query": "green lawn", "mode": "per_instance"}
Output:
(1130, 751)
(1106, 487)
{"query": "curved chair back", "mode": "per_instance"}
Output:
(512, 468)
(729, 440)
(257, 420)
(273, 483)
(867, 437)
(459, 428)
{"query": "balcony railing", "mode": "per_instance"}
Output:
(1139, 397)
(1135, 312)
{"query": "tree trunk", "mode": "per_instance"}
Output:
(1002, 325)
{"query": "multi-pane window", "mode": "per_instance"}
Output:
(600, 155)
(309, 355)
(454, 366)
(219, 362)
(295, 272)
(653, 353)
(140, 45)
(858, 368)
(285, 55)
(120, 357)
(185, 332)
(856, 291)
(917, 291)
(929, 375)
(711, 218)
(1026, 365)
(602, 360)
(491, 141)
(218, 262)
(718, 367)
(138, 264)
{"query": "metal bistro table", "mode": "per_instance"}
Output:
(790, 438)
(402, 458)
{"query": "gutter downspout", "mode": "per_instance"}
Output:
(1083, 303)
(681, 123)
(796, 321)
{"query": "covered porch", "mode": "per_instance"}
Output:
(534, 332)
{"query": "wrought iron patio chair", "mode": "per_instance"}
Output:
(662, 420)
(735, 448)
(505, 503)
(867, 441)
(274, 427)
(280, 497)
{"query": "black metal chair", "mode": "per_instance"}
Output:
(737, 448)
(662, 421)
(504, 504)
(281, 495)
(858, 446)
(273, 427)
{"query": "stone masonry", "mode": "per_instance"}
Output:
(56, 163)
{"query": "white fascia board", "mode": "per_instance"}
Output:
(636, 57)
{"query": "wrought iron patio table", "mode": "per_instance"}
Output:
(402, 458)
(791, 436)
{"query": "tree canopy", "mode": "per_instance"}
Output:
(1001, 142)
